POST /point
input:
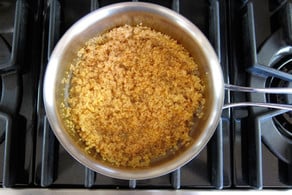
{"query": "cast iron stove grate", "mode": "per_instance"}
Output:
(18, 84)
(261, 58)
(55, 168)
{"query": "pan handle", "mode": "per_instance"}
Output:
(259, 90)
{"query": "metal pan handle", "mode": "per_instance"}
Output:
(259, 90)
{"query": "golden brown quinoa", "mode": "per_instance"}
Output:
(134, 92)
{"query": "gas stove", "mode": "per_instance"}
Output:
(251, 148)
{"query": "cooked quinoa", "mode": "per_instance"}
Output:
(133, 95)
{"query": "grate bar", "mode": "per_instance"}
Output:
(132, 184)
(267, 71)
(176, 179)
(216, 156)
(89, 178)
(10, 92)
(94, 5)
(250, 33)
(217, 178)
(175, 5)
(287, 27)
(19, 33)
(48, 154)
(54, 25)
(255, 158)
(49, 140)
(9, 169)
(215, 27)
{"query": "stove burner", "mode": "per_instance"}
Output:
(283, 121)
(273, 68)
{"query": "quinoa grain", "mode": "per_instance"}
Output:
(133, 94)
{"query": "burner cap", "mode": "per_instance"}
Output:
(283, 121)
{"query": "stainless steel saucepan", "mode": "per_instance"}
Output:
(167, 22)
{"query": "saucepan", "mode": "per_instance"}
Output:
(167, 22)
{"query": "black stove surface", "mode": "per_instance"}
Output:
(238, 155)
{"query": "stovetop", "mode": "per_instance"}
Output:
(251, 148)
